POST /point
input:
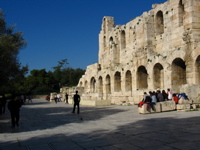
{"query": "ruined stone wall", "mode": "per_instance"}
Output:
(158, 50)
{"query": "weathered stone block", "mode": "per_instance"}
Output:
(168, 105)
(145, 110)
(182, 106)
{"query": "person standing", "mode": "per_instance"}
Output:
(66, 98)
(77, 100)
(14, 106)
(30, 98)
(59, 97)
(160, 96)
(55, 98)
(4, 100)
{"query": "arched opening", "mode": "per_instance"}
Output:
(104, 25)
(104, 43)
(100, 85)
(92, 85)
(178, 74)
(159, 23)
(123, 40)
(128, 81)
(197, 70)
(142, 78)
(158, 76)
(111, 42)
(181, 12)
(86, 87)
(81, 84)
(117, 82)
(108, 85)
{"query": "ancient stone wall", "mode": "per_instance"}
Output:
(158, 50)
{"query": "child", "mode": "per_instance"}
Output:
(175, 98)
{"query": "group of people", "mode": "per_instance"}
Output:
(160, 96)
(16, 101)
(58, 98)
(24, 97)
(14, 105)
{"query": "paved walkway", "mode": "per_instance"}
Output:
(48, 126)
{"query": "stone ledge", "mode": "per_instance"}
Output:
(158, 107)
(182, 106)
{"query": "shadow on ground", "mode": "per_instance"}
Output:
(163, 133)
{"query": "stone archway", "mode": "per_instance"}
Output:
(158, 76)
(92, 85)
(197, 70)
(123, 39)
(117, 82)
(108, 85)
(100, 87)
(159, 23)
(86, 87)
(178, 75)
(128, 81)
(142, 78)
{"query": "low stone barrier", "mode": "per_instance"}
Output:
(157, 107)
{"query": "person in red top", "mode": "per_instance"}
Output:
(175, 98)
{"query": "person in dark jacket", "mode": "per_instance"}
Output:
(77, 100)
(164, 95)
(14, 106)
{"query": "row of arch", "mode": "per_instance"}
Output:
(141, 78)
(159, 26)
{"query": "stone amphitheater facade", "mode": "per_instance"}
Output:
(158, 50)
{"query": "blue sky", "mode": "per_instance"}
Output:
(66, 29)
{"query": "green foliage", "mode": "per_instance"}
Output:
(42, 82)
(11, 71)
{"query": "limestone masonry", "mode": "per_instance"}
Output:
(158, 50)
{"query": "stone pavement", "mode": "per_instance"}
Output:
(48, 126)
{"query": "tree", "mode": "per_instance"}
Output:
(10, 44)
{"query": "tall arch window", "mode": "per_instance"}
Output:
(92, 84)
(128, 81)
(108, 85)
(197, 70)
(111, 42)
(86, 87)
(104, 43)
(100, 85)
(178, 74)
(117, 82)
(159, 23)
(181, 12)
(158, 76)
(142, 78)
(123, 40)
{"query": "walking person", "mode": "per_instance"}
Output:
(59, 97)
(14, 106)
(55, 98)
(77, 100)
(30, 98)
(4, 101)
(2, 104)
(66, 99)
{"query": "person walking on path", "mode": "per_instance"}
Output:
(3, 104)
(66, 98)
(14, 106)
(29, 99)
(77, 100)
